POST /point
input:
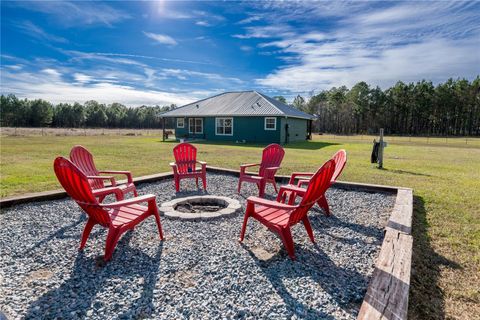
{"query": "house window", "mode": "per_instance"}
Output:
(270, 123)
(224, 126)
(195, 125)
(180, 123)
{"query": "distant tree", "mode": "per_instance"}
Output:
(96, 114)
(450, 108)
(116, 113)
(280, 98)
(299, 103)
(41, 113)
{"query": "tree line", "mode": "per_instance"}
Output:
(16, 112)
(450, 108)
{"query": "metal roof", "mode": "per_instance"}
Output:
(243, 103)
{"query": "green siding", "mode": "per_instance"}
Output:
(250, 129)
(297, 129)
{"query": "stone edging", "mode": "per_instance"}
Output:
(168, 208)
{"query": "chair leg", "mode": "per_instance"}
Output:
(291, 198)
(86, 233)
(322, 202)
(112, 239)
(239, 185)
(135, 193)
(159, 225)
(196, 181)
(308, 227)
(287, 240)
(261, 188)
(177, 184)
(250, 207)
(204, 181)
(275, 185)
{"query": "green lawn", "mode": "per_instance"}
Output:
(445, 178)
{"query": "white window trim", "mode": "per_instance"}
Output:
(194, 125)
(216, 125)
(265, 124)
(183, 123)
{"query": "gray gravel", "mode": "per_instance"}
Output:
(199, 272)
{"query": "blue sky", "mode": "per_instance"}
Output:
(162, 52)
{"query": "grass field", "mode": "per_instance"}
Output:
(445, 178)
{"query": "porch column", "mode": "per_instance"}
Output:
(310, 123)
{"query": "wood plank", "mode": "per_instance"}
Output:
(401, 217)
(387, 294)
(60, 193)
(338, 184)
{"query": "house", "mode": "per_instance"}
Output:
(246, 116)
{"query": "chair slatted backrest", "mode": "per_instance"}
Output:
(185, 157)
(83, 159)
(75, 183)
(340, 161)
(315, 190)
(272, 156)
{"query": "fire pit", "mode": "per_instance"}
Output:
(200, 207)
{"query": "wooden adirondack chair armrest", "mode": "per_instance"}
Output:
(270, 203)
(145, 198)
(127, 173)
(111, 178)
(105, 191)
(299, 174)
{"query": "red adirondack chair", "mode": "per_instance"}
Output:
(83, 159)
(292, 191)
(279, 217)
(185, 165)
(272, 157)
(118, 216)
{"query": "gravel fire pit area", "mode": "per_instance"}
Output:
(200, 271)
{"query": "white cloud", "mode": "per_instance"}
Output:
(79, 13)
(35, 31)
(246, 48)
(250, 19)
(49, 85)
(161, 38)
(406, 41)
(269, 31)
(203, 23)
(82, 78)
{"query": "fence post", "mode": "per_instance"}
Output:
(380, 151)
